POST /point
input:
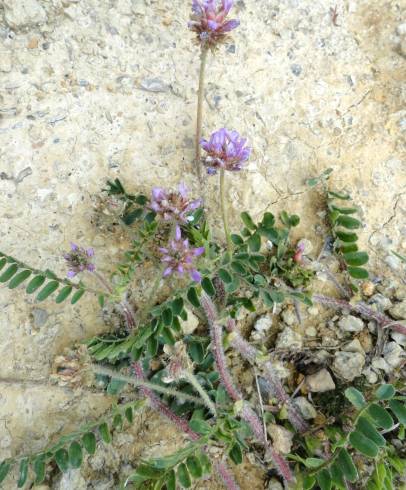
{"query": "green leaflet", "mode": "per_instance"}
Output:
(75, 454)
(183, 476)
(347, 466)
(363, 444)
(385, 392)
(369, 431)
(19, 279)
(23, 473)
(355, 397)
(380, 416)
(399, 409)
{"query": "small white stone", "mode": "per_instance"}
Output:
(189, 326)
(351, 324)
(320, 381)
(263, 324)
(380, 363)
(311, 331)
(281, 437)
(348, 365)
(274, 484)
(305, 407)
(289, 338)
(393, 354)
(370, 375)
(398, 311)
(313, 311)
(23, 13)
(399, 338)
(354, 346)
(289, 316)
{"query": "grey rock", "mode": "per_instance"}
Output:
(354, 346)
(289, 316)
(382, 302)
(296, 69)
(381, 364)
(274, 484)
(71, 480)
(398, 311)
(351, 324)
(190, 324)
(281, 437)
(393, 354)
(23, 13)
(399, 338)
(370, 375)
(348, 365)
(263, 324)
(154, 85)
(289, 339)
(39, 316)
(305, 407)
(320, 381)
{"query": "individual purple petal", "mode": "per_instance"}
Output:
(74, 247)
(183, 191)
(198, 251)
(195, 275)
(178, 233)
(71, 274)
(167, 271)
(90, 252)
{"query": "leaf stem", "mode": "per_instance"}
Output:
(224, 211)
(192, 380)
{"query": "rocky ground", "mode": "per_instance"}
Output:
(97, 89)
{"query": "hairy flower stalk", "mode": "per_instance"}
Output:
(246, 412)
(174, 206)
(253, 356)
(199, 115)
(362, 309)
(79, 260)
(224, 211)
(182, 424)
(179, 258)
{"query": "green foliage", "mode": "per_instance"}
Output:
(68, 452)
(134, 209)
(345, 245)
(364, 440)
(44, 283)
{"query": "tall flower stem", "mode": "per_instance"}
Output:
(224, 210)
(199, 117)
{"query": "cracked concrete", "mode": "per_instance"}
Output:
(101, 89)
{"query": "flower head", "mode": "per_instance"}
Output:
(226, 150)
(179, 257)
(172, 205)
(208, 20)
(79, 260)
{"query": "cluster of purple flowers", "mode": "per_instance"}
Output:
(208, 20)
(173, 206)
(79, 260)
(225, 150)
(178, 257)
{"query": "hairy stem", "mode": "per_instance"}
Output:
(103, 281)
(145, 384)
(199, 116)
(183, 425)
(363, 310)
(192, 380)
(224, 214)
(246, 412)
(253, 356)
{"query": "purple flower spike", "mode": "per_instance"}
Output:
(208, 20)
(172, 205)
(179, 257)
(78, 260)
(225, 149)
